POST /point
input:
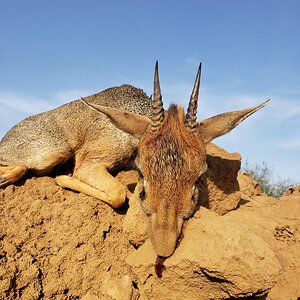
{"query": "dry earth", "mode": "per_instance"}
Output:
(58, 244)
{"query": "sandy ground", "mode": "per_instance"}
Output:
(58, 244)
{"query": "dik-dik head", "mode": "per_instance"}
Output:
(171, 157)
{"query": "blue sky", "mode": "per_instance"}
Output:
(52, 52)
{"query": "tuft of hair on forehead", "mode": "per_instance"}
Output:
(173, 126)
(173, 123)
(174, 108)
(176, 114)
(172, 149)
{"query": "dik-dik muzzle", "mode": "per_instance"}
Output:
(171, 157)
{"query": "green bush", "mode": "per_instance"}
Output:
(264, 175)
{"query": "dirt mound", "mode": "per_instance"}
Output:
(57, 244)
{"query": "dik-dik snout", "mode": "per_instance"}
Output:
(166, 214)
(171, 157)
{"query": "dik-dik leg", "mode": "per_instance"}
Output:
(11, 174)
(95, 180)
(40, 163)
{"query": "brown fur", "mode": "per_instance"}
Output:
(171, 141)
(170, 160)
(172, 153)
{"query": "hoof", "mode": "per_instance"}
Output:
(11, 174)
(3, 182)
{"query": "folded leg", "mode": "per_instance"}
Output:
(95, 180)
(11, 174)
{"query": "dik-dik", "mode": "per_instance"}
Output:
(110, 129)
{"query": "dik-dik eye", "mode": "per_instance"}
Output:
(142, 194)
(144, 203)
(189, 209)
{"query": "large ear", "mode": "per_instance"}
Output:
(129, 122)
(216, 126)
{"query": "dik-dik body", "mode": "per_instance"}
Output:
(111, 129)
(74, 130)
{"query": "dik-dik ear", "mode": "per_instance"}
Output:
(216, 126)
(126, 121)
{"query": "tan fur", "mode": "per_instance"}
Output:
(11, 174)
(75, 131)
(106, 131)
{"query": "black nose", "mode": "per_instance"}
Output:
(159, 265)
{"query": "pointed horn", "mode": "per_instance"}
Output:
(191, 115)
(157, 104)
